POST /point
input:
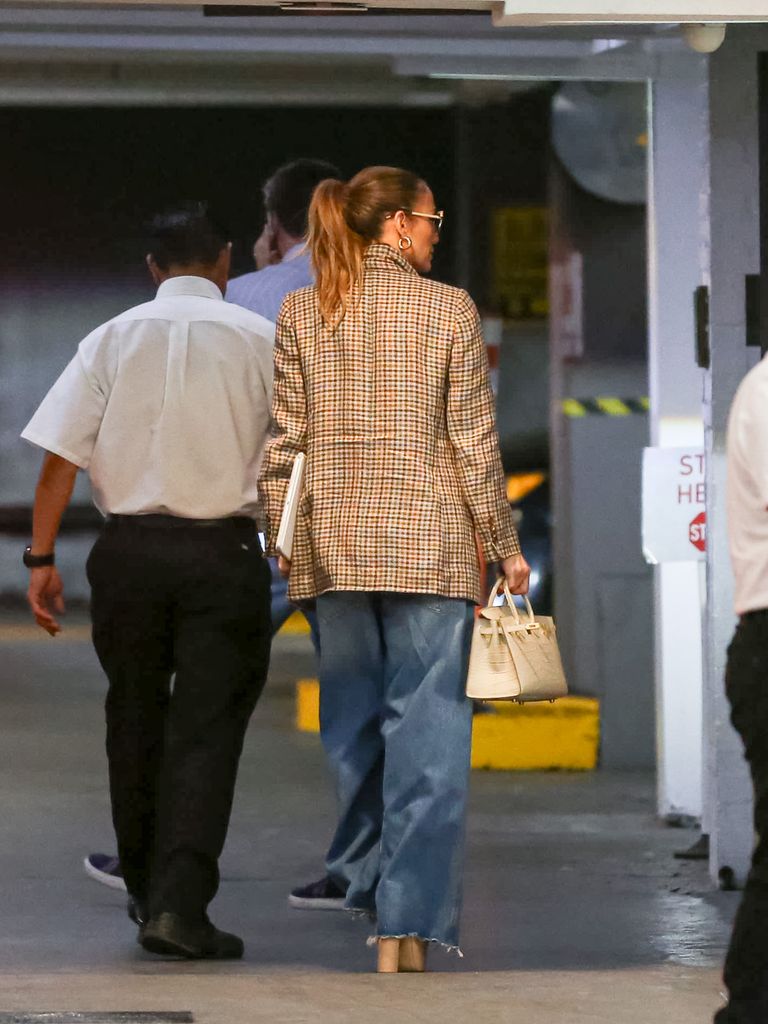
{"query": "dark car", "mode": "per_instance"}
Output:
(528, 494)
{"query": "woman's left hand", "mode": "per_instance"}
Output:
(517, 573)
(284, 565)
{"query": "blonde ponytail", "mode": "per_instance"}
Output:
(337, 250)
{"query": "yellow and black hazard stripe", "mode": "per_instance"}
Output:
(575, 408)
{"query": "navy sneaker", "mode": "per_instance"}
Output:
(324, 894)
(105, 869)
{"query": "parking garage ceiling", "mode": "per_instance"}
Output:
(528, 13)
(148, 54)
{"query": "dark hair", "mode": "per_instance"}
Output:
(185, 234)
(288, 192)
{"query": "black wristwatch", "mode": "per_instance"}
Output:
(36, 561)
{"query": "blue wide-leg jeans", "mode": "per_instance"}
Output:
(396, 726)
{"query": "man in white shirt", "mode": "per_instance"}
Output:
(167, 407)
(284, 265)
(746, 967)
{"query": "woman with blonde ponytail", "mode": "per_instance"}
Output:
(381, 379)
(337, 250)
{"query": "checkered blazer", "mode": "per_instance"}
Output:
(395, 412)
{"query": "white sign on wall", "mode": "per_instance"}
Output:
(674, 498)
(566, 305)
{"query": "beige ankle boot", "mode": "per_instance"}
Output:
(413, 955)
(389, 956)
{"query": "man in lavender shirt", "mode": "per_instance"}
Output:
(283, 265)
(282, 262)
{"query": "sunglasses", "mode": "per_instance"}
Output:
(438, 217)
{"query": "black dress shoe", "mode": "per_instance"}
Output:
(137, 911)
(170, 935)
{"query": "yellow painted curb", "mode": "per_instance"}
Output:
(537, 737)
(308, 705)
(25, 632)
(507, 736)
(295, 625)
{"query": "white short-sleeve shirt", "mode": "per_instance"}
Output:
(167, 406)
(748, 490)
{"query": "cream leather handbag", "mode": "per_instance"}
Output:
(514, 657)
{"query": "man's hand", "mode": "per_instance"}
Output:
(54, 489)
(284, 565)
(46, 596)
(517, 573)
(265, 251)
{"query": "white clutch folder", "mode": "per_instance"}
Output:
(290, 510)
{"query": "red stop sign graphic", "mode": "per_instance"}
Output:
(697, 531)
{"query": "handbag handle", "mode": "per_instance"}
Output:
(502, 583)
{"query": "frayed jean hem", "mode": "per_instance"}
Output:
(361, 912)
(373, 939)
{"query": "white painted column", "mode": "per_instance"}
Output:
(677, 179)
(733, 252)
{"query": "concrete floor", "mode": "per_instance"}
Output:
(575, 910)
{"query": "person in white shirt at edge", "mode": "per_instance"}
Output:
(746, 683)
(167, 407)
(284, 265)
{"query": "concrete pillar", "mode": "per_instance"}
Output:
(732, 252)
(677, 180)
(599, 346)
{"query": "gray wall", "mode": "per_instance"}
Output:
(604, 597)
(42, 319)
(603, 588)
(522, 405)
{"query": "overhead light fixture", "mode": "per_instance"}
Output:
(605, 45)
(452, 76)
(321, 7)
(704, 38)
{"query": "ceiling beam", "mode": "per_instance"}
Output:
(527, 13)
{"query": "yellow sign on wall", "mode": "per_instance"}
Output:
(520, 255)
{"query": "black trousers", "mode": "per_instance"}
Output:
(189, 604)
(746, 966)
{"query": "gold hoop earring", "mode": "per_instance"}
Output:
(405, 244)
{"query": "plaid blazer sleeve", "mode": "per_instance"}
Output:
(472, 429)
(289, 425)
